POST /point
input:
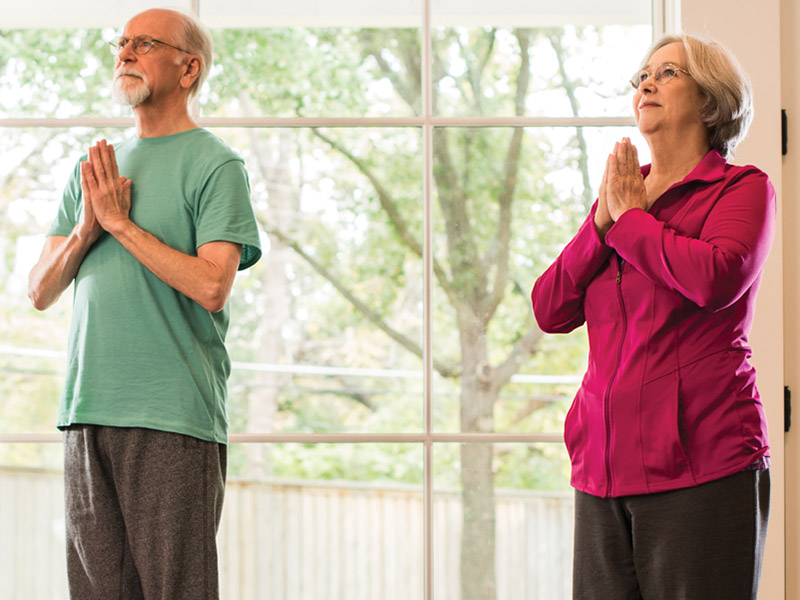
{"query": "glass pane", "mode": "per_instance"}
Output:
(330, 522)
(560, 71)
(506, 201)
(34, 166)
(310, 72)
(326, 330)
(502, 522)
(57, 73)
(32, 537)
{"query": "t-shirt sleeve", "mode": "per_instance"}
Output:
(226, 214)
(70, 206)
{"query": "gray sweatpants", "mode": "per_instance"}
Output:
(699, 543)
(142, 512)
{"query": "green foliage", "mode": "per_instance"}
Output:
(307, 72)
(55, 73)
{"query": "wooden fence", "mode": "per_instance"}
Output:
(310, 540)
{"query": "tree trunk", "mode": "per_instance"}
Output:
(477, 477)
(272, 349)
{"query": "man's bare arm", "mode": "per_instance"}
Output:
(62, 256)
(206, 278)
(57, 266)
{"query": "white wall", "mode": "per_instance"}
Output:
(751, 31)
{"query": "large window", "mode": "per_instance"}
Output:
(396, 414)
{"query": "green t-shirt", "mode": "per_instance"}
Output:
(141, 354)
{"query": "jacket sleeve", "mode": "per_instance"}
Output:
(558, 293)
(717, 268)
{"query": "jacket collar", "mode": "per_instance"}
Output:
(711, 168)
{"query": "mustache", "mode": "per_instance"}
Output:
(128, 71)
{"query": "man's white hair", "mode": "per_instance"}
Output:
(197, 39)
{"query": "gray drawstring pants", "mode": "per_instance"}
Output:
(142, 512)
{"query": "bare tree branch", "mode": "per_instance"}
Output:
(390, 208)
(569, 88)
(476, 68)
(410, 90)
(502, 242)
(467, 269)
(522, 349)
(371, 315)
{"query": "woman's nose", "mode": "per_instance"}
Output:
(648, 86)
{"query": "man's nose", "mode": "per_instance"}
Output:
(126, 53)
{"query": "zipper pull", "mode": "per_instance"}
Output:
(619, 275)
(620, 264)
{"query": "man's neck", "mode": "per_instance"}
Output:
(161, 120)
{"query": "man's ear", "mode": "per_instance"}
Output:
(191, 71)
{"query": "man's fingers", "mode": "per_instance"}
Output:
(102, 162)
(112, 159)
(101, 167)
(87, 176)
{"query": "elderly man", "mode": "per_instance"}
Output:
(152, 233)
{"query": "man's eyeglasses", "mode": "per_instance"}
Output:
(142, 44)
(663, 74)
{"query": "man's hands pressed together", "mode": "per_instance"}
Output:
(106, 193)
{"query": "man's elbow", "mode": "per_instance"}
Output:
(40, 302)
(37, 303)
(215, 297)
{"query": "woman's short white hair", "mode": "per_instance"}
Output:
(728, 107)
(197, 40)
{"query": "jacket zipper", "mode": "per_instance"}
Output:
(607, 400)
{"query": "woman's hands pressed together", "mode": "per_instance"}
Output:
(622, 187)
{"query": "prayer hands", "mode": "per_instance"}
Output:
(106, 194)
(89, 226)
(622, 187)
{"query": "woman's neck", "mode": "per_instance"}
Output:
(671, 162)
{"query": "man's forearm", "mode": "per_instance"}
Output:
(206, 280)
(57, 267)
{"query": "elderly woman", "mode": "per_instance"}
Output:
(667, 435)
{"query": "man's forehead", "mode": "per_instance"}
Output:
(157, 24)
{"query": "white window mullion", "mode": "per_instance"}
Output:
(426, 69)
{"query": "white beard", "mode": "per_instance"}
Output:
(129, 92)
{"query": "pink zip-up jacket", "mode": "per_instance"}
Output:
(669, 399)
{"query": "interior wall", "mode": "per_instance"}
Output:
(752, 34)
(790, 96)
